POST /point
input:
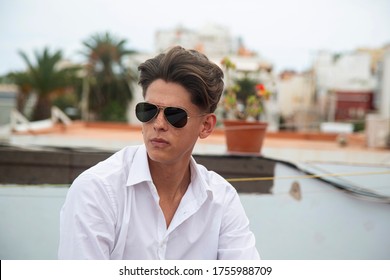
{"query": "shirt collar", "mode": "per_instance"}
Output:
(139, 168)
(139, 172)
(200, 187)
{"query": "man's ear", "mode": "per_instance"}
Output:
(209, 122)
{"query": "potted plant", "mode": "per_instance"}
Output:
(243, 106)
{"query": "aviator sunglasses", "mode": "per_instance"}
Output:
(175, 116)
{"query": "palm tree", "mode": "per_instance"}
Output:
(109, 79)
(21, 79)
(45, 78)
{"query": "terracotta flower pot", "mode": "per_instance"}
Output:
(244, 136)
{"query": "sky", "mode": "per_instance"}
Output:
(288, 33)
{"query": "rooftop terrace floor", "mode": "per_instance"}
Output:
(288, 146)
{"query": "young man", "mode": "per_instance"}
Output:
(154, 201)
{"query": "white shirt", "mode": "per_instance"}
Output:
(112, 212)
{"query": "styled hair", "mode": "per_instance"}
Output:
(191, 69)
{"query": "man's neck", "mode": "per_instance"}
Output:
(170, 180)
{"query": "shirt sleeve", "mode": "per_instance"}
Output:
(87, 220)
(236, 241)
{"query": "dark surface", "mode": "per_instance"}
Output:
(61, 166)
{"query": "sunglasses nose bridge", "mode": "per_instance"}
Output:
(159, 110)
(158, 117)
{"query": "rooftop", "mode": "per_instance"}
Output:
(288, 146)
(294, 214)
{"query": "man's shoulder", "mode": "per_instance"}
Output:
(214, 181)
(106, 179)
(115, 166)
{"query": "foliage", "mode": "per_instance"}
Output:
(45, 78)
(108, 77)
(246, 88)
(359, 126)
(114, 112)
(68, 103)
(245, 97)
(21, 79)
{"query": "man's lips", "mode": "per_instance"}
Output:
(159, 142)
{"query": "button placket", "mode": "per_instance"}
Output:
(162, 249)
(161, 225)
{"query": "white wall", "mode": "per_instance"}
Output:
(29, 224)
(350, 71)
(295, 94)
(384, 102)
(325, 224)
(7, 103)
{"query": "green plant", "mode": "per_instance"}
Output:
(244, 98)
(46, 78)
(108, 76)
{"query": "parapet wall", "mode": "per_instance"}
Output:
(61, 166)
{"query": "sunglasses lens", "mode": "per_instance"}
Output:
(176, 116)
(145, 111)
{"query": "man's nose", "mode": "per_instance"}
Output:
(160, 121)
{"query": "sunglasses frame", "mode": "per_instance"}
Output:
(159, 108)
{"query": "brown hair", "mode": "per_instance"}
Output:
(189, 68)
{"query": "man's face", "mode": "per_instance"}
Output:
(164, 142)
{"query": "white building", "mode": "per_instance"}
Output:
(350, 71)
(8, 95)
(180, 35)
(384, 86)
(296, 100)
(210, 39)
